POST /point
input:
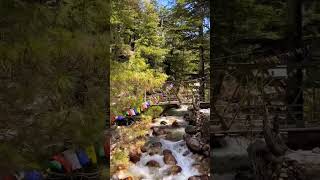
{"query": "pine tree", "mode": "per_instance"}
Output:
(54, 60)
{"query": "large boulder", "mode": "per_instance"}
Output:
(175, 136)
(168, 158)
(153, 163)
(193, 144)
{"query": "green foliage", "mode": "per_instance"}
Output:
(119, 157)
(53, 65)
(187, 37)
(137, 52)
(154, 111)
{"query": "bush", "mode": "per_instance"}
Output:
(119, 157)
(154, 111)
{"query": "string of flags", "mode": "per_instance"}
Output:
(67, 162)
(130, 112)
(73, 160)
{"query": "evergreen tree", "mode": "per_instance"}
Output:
(137, 53)
(54, 61)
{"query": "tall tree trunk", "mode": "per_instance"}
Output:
(295, 75)
(201, 68)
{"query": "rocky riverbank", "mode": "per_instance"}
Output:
(175, 149)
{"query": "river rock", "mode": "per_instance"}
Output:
(153, 163)
(193, 144)
(157, 145)
(316, 150)
(175, 124)
(168, 158)
(166, 151)
(158, 131)
(127, 178)
(191, 129)
(187, 152)
(146, 146)
(154, 150)
(205, 147)
(163, 123)
(134, 156)
(173, 170)
(174, 136)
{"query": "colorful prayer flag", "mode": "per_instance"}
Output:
(66, 165)
(55, 165)
(32, 175)
(83, 157)
(71, 156)
(91, 154)
(132, 112)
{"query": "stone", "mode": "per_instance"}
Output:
(146, 146)
(127, 178)
(186, 153)
(194, 178)
(134, 156)
(206, 147)
(174, 136)
(157, 145)
(143, 149)
(316, 150)
(154, 150)
(175, 124)
(163, 123)
(166, 151)
(173, 170)
(193, 144)
(153, 163)
(191, 129)
(158, 131)
(168, 158)
(201, 177)
(204, 177)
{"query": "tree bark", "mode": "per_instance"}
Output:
(295, 75)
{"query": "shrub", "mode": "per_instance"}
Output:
(154, 111)
(119, 157)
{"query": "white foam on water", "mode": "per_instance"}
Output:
(205, 111)
(182, 108)
(177, 148)
(185, 162)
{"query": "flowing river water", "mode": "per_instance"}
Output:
(185, 159)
